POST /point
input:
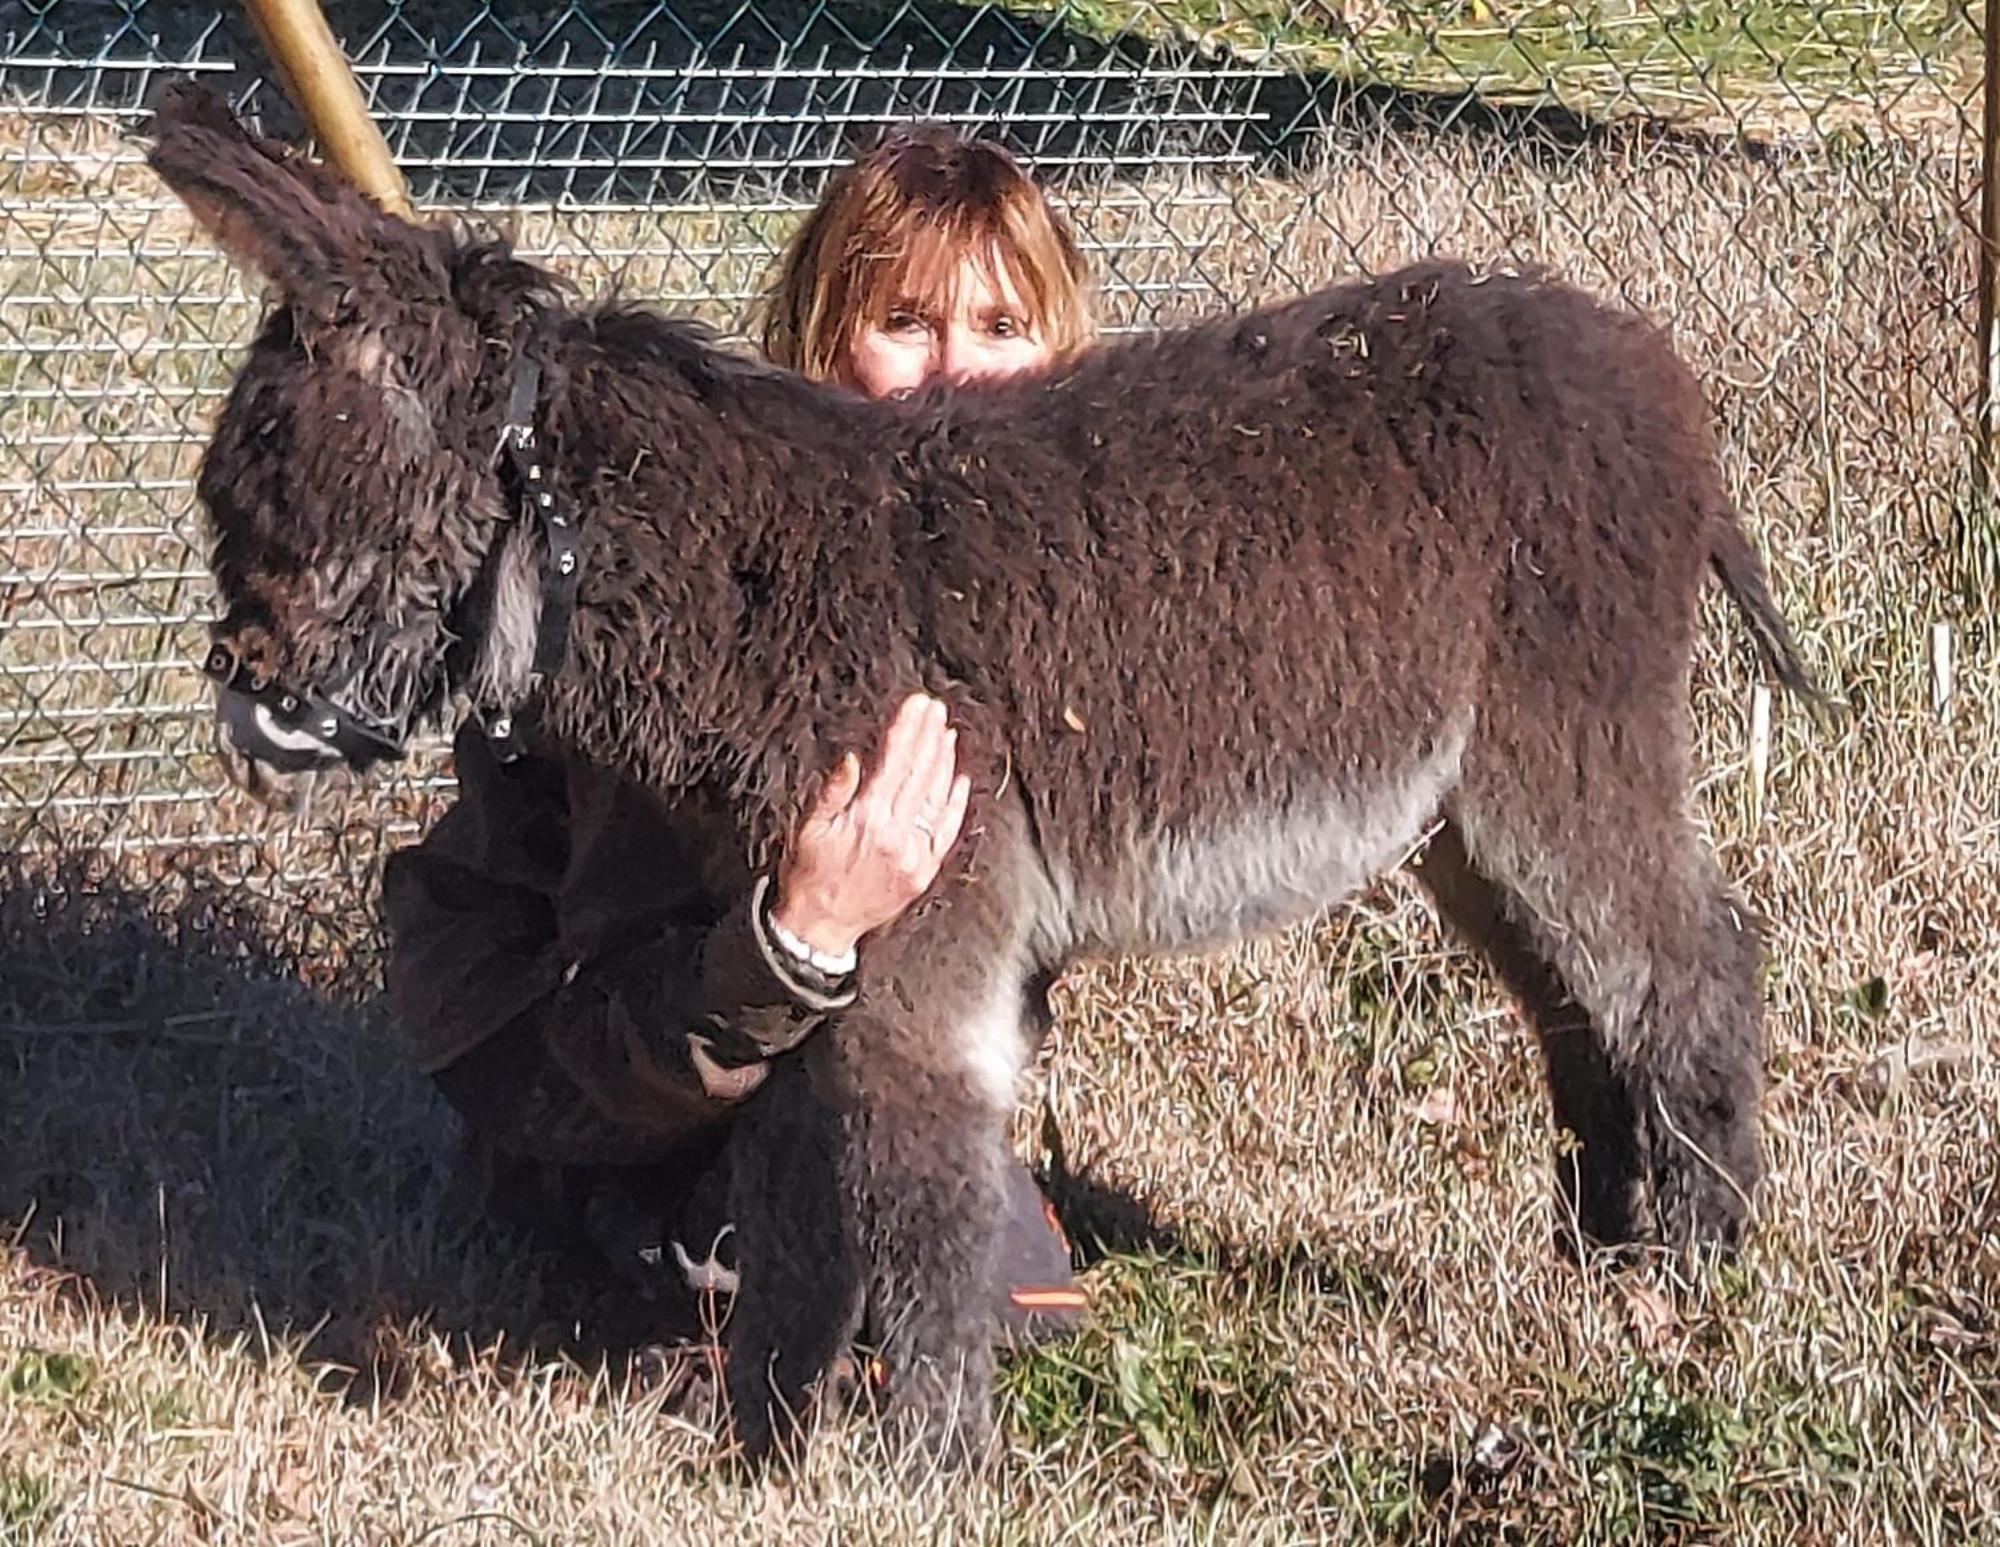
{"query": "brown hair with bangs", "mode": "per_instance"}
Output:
(894, 227)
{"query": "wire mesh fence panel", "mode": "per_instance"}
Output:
(1785, 185)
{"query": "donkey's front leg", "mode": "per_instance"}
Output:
(927, 1061)
(878, 1158)
(926, 1157)
(800, 1274)
(925, 1162)
(870, 1169)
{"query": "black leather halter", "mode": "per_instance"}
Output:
(565, 548)
(305, 725)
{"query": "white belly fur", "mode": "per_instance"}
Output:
(993, 1045)
(1200, 888)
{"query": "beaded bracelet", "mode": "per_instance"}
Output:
(822, 962)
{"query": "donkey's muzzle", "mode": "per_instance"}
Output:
(265, 734)
(292, 731)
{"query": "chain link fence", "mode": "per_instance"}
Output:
(1788, 185)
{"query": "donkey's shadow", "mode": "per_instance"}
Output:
(188, 1128)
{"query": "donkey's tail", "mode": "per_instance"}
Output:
(1742, 574)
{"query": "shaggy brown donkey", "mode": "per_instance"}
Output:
(1229, 617)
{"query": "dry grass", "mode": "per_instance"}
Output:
(1328, 1305)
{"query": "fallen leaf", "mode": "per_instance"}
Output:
(1655, 1322)
(1891, 1069)
(1439, 1108)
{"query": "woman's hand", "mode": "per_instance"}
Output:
(869, 848)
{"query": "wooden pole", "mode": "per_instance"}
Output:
(1985, 468)
(324, 90)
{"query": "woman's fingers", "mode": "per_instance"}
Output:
(909, 794)
(913, 774)
(893, 759)
(898, 816)
(930, 780)
(952, 817)
(928, 797)
(877, 837)
(837, 794)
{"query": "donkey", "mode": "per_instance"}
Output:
(1230, 618)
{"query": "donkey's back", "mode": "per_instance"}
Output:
(1257, 595)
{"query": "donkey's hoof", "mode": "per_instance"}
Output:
(768, 1428)
(1598, 1209)
(935, 1425)
(1700, 1214)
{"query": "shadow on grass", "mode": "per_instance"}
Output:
(186, 1127)
(627, 101)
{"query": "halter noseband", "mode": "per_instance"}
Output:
(304, 725)
(303, 722)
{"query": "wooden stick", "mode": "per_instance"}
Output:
(1760, 749)
(324, 90)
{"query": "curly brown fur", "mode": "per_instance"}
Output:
(1229, 616)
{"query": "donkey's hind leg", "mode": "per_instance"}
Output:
(1616, 889)
(1598, 1179)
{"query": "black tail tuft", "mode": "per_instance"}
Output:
(1742, 575)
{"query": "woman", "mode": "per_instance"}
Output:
(592, 976)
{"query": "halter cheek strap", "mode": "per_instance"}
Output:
(560, 535)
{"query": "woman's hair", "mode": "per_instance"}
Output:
(894, 227)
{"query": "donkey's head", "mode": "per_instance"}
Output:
(353, 484)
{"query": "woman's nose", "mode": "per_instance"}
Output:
(957, 355)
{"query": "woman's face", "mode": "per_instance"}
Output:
(978, 330)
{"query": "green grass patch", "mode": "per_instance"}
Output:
(169, 1409)
(24, 1504)
(1655, 1457)
(1184, 1360)
(48, 1377)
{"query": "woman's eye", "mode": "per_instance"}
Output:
(1007, 326)
(903, 321)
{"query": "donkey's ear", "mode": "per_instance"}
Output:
(301, 227)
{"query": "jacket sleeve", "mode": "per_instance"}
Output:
(652, 1020)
